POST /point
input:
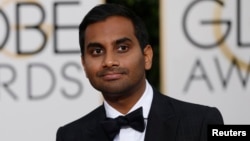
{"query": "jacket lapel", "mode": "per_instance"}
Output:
(161, 126)
(162, 122)
(95, 132)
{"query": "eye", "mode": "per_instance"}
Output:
(123, 48)
(97, 51)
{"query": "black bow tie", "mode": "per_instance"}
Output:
(134, 119)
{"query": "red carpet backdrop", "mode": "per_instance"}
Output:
(206, 54)
(205, 58)
(42, 84)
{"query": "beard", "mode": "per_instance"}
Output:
(123, 87)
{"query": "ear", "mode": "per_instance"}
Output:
(148, 57)
(83, 65)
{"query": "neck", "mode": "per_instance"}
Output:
(124, 102)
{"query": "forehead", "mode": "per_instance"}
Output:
(112, 28)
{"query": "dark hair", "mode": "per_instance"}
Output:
(103, 11)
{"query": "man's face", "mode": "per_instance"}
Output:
(113, 60)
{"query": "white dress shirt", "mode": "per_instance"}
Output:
(127, 133)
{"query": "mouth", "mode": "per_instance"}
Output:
(112, 76)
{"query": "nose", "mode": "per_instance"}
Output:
(110, 60)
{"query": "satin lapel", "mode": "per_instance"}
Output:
(95, 132)
(162, 122)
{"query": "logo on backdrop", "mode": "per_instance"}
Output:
(39, 55)
(230, 30)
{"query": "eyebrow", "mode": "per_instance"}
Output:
(122, 40)
(118, 41)
(94, 44)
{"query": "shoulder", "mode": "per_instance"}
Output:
(191, 119)
(81, 125)
(191, 111)
(89, 118)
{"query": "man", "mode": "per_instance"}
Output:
(115, 55)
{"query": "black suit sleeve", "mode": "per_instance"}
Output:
(58, 135)
(213, 117)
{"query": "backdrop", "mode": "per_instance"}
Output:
(205, 47)
(42, 84)
(206, 54)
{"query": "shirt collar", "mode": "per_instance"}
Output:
(144, 102)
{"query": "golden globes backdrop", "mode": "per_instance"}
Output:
(42, 84)
(206, 54)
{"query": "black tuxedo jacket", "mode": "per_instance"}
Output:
(169, 120)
